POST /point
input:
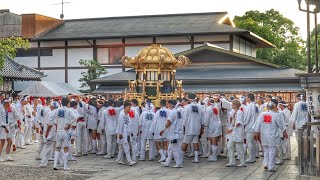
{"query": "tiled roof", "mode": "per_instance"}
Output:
(148, 26)
(14, 70)
(211, 73)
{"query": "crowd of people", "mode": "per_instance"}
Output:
(241, 128)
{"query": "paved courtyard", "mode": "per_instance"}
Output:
(95, 168)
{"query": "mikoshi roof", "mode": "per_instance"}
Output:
(150, 26)
(17, 71)
(49, 89)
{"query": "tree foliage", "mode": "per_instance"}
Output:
(9, 48)
(279, 30)
(94, 71)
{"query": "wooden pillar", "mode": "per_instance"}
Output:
(231, 43)
(192, 42)
(39, 56)
(154, 40)
(66, 61)
(123, 52)
(95, 53)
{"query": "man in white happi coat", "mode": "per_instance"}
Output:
(62, 118)
(146, 120)
(193, 124)
(135, 106)
(49, 138)
(8, 115)
(41, 119)
(14, 124)
(281, 147)
(270, 125)
(81, 130)
(134, 128)
(92, 124)
(72, 130)
(101, 136)
(174, 128)
(157, 126)
(28, 113)
(236, 135)
(212, 123)
(299, 115)
(123, 135)
(110, 116)
(37, 106)
(20, 131)
(287, 144)
(250, 116)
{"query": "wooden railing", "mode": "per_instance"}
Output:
(309, 149)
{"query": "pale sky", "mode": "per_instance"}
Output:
(106, 8)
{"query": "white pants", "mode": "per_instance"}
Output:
(111, 145)
(134, 146)
(281, 150)
(13, 132)
(124, 149)
(81, 141)
(103, 142)
(240, 151)
(174, 151)
(28, 131)
(143, 148)
(138, 144)
(251, 146)
(40, 147)
(269, 156)
(288, 148)
(46, 152)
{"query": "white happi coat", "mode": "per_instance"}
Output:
(193, 119)
(19, 109)
(228, 106)
(28, 112)
(283, 121)
(110, 116)
(92, 117)
(44, 120)
(287, 114)
(101, 120)
(76, 113)
(159, 123)
(300, 114)
(37, 113)
(62, 117)
(145, 124)
(212, 122)
(268, 124)
(13, 116)
(82, 106)
(175, 129)
(237, 134)
(123, 128)
(42, 115)
(251, 113)
(133, 122)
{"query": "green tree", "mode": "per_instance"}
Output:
(279, 30)
(94, 71)
(9, 48)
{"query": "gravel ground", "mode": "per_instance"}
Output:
(9, 172)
